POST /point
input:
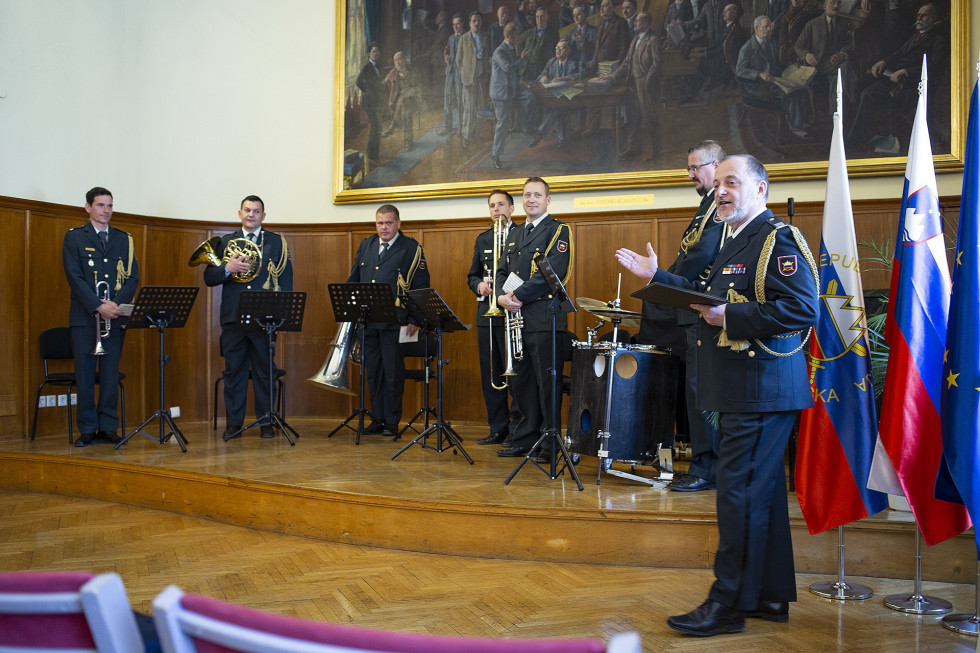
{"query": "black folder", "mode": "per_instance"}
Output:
(659, 293)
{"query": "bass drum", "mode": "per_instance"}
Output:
(644, 397)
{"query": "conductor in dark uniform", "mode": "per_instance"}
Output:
(480, 281)
(541, 234)
(667, 327)
(752, 371)
(369, 82)
(100, 264)
(247, 350)
(396, 259)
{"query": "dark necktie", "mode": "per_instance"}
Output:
(104, 237)
(384, 251)
(530, 228)
(251, 237)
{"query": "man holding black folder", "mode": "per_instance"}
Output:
(752, 372)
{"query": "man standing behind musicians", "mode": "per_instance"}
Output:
(246, 351)
(396, 259)
(752, 371)
(480, 281)
(100, 264)
(661, 325)
(541, 234)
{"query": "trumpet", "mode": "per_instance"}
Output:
(513, 323)
(102, 327)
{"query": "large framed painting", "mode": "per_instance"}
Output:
(438, 98)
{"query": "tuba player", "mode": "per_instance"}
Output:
(247, 351)
(100, 264)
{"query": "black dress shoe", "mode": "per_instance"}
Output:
(513, 452)
(232, 432)
(267, 432)
(108, 437)
(710, 618)
(388, 432)
(689, 483)
(777, 611)
(507, 443)
(493, 438)
(495, 161)
(85, 439)
(374, 428)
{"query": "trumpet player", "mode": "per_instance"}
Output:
(263, 263)
(491, 335)
(100, 265)
(541, 234)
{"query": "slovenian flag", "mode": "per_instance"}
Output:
(918, 308)
(837, 435)
(959, 471)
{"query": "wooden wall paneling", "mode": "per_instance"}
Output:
(318, 259)
(188, 375)
(16, 394)
(48, 299)
(449, 262)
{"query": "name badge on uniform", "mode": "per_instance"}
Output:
(787, 265)
(734, 268)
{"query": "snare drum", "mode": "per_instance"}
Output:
(644, 394)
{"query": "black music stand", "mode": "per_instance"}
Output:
(161, 307)
(270, 311)
(361, 303)
(426, 304)
(560, 303)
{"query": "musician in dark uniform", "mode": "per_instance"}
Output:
(100, 264)
(396, 259)
(667, 327)
(752, 371)
(492, 364)
(247, 350)
(541, 234)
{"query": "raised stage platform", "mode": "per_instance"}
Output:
(332, 489)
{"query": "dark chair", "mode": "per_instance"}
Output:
(280, 396)
(55, 344)
(424, 349)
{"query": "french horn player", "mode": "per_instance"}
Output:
(100, 265)
(249, 258)
(493, 338)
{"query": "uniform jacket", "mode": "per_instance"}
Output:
(231, 290)
(504, 73)
(84, 259)
(405, 257)
(754, 380)
(554, 240)
(482, 266)
(470, 68)
(541, 49)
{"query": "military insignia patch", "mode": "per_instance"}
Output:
(422, 264)
(716, 219)
(562, 246)
(734, 268)
(787, 265)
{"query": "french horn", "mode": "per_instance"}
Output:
(206, 254)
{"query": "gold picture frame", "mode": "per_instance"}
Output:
(441, 167)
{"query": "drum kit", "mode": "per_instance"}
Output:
(623, 395)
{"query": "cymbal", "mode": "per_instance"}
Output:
(628, 319)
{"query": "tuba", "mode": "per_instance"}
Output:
(206, 254)
(333, 374)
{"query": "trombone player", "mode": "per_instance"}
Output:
(251, 258)
(491, 336)
(100, 264)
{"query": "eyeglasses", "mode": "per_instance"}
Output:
(694, 169)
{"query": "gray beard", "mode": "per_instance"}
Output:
(737, 215)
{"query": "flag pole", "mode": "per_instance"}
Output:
(839, 589)
(917, 602)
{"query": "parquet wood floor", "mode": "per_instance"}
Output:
(458, 595)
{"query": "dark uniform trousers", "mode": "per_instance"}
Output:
(85, 258)
(246, 351)
(757, 394)
(383, 361)
(533, 383)
(502, 416)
